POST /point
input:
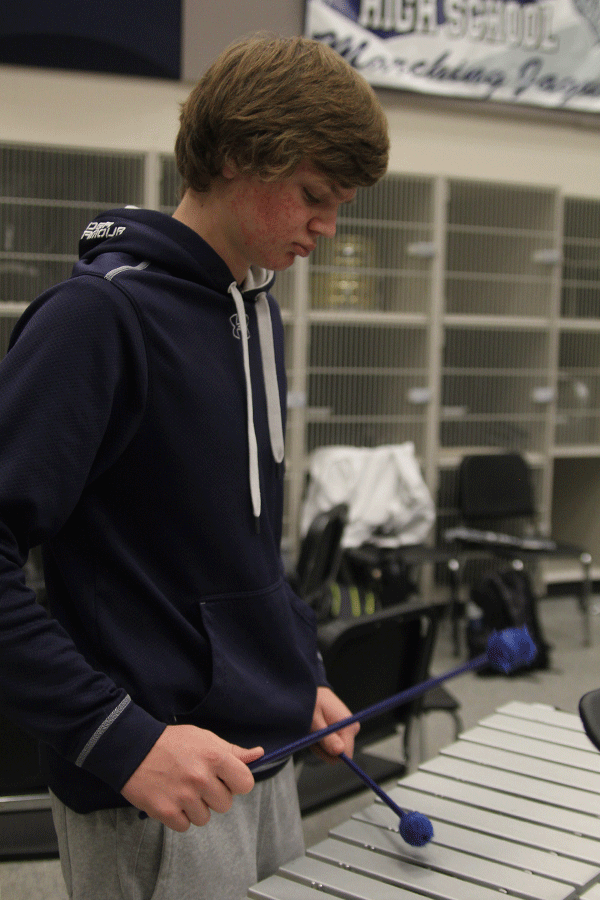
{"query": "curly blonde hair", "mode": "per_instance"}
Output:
(269, 103)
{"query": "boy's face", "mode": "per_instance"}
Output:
(270, 223)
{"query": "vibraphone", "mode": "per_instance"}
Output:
(515, 807)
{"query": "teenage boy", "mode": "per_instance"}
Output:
(141, 437)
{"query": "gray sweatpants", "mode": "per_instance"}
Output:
(112, 854)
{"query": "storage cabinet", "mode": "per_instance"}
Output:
(461, 315)
(500, 242)
(47, 197)
(576, 440)
(578, 405)
(501, 290)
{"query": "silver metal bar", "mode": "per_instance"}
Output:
(515, 853)
(458, 863)
(537, 749)
(542, 769)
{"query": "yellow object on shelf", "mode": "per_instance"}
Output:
(345, 279)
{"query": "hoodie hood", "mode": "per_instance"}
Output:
(168, 244)
(161, 241)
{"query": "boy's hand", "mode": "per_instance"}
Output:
(188, 773)
(329, 709)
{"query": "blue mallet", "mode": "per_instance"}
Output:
(414, 827)
(506, 651)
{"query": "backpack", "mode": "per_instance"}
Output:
(506, 600)
(345, 601)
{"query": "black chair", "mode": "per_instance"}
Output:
(320, 555)
(368, 659)
(497, 506)
(393, 573)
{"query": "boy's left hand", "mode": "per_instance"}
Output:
(329, 709)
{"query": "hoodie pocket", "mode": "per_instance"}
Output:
(264, 668)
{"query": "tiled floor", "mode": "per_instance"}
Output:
(575, 669)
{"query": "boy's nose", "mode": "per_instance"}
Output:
(324, 225)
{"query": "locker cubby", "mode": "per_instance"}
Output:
(47, 197)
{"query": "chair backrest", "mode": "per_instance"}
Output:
(321, 552)
(372, 657)
(495, 486)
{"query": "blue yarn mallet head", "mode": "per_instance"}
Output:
(510, 649)
(414, 827)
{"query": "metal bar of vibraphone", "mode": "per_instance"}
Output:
(548, 733)
(533, 747)
(523, 787)
(453, 806)
(433, 873)
(279, 888)
(449, 860)
(489, 840)
(532, 767)
(508, 804)
(486, 845)
(542, 713)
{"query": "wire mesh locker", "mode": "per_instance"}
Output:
(501, 244)
(361, 381)
(578, 413)
(581, 259)
(378, 260)
(47, 197)
(494, 388)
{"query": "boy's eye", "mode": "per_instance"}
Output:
(311, 197)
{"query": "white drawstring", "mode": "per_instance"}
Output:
(267, 349)
(265, 331)
(252, 448)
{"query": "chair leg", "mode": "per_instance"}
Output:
(418, 723)
(585, 598)
(458, 724)
(413, 742)
(455, 610)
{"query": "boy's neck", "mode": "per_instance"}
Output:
(203, 213)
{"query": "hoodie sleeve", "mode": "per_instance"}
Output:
(72, 391)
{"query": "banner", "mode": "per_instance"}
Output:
(539, 52)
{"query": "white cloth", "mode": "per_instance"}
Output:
(389, 503)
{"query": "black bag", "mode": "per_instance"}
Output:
(506, 600)
(345, 601)
(379, 569)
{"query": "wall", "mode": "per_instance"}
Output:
(429, 135)
(497, 143)
(208, 27)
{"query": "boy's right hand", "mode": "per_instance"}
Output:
(188, 773)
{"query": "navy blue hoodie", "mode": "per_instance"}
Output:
(137, 446)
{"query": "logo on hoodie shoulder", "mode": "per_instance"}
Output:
(102, 230)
